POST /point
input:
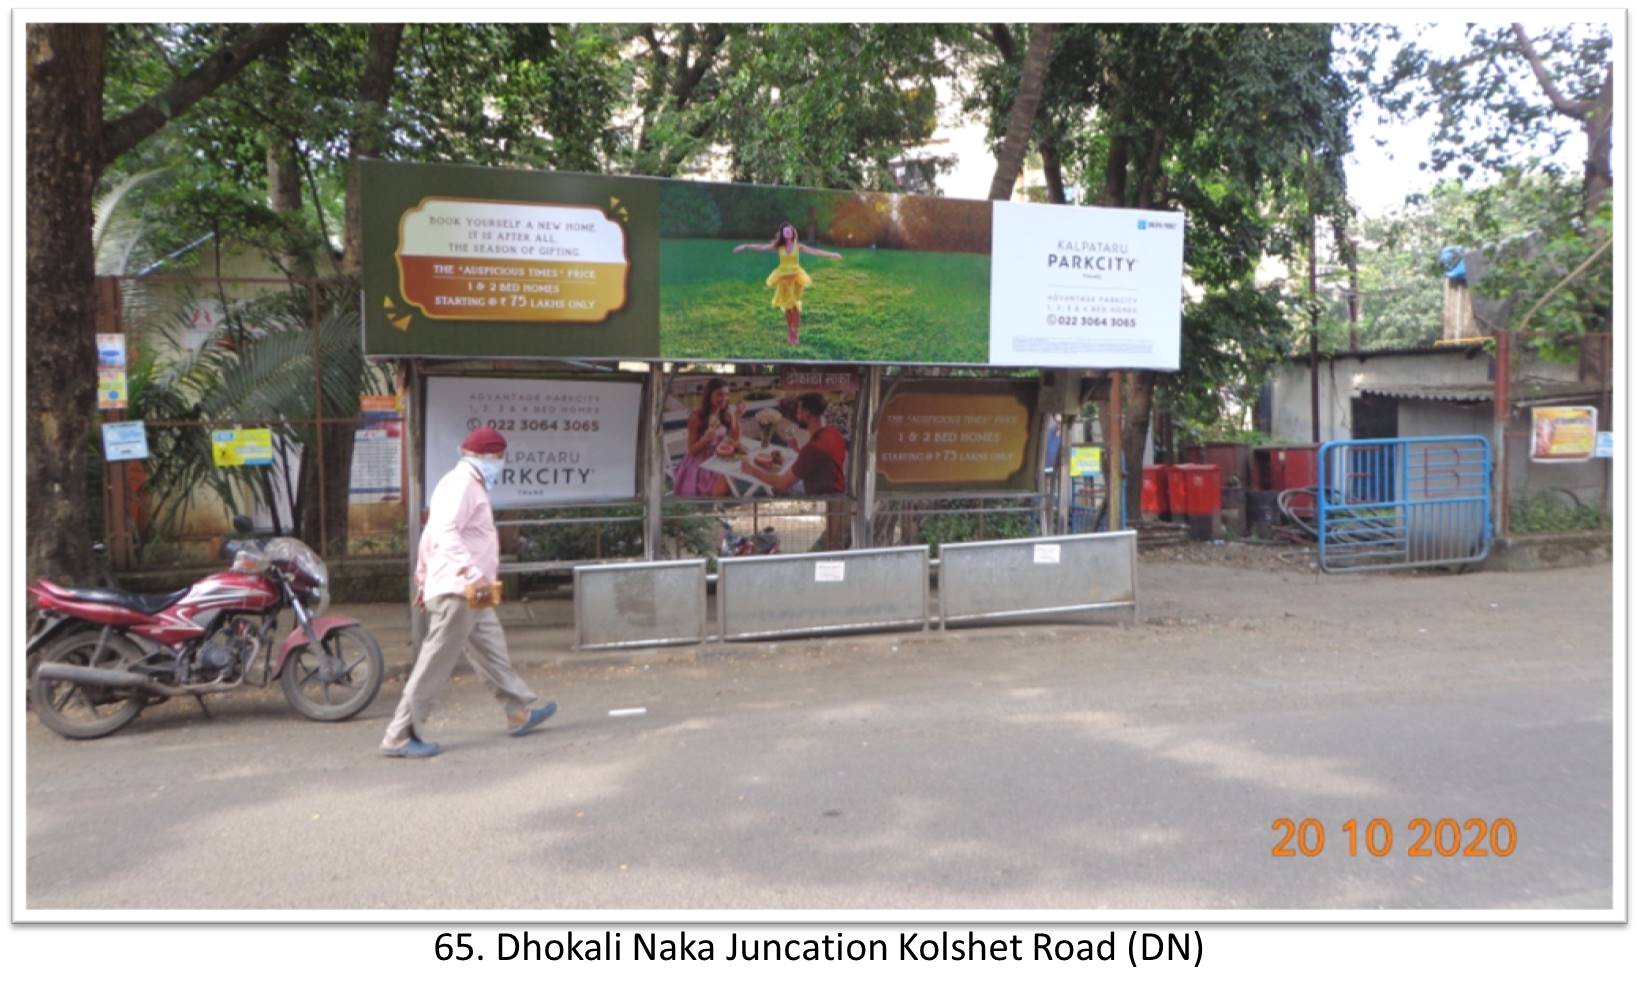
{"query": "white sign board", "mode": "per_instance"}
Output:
(830, 570)
(1085, 287)
(1046, 553)
(110, 349)
(567, 441)
(124, 441)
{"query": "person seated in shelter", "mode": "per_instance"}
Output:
(820, 466)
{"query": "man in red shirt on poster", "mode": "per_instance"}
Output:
(820, 466)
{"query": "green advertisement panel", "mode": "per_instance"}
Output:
(463, 261)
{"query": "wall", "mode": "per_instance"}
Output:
(1525, 479)
(1342, 378)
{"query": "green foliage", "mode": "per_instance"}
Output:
(967, 526)
(1526, 229)
(695, 534)
(872, 303)
(1232, 338)
(1548, 513)
(829, 105)
(269, 369)
(1486, 107)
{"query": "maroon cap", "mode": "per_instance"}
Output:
(484, 440)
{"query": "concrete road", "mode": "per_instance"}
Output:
(1060, 765)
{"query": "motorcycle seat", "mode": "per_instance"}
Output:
(146, 604)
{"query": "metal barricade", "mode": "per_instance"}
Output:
(1005, 578)
(648, 604)
(807, 593)
(1406, 502)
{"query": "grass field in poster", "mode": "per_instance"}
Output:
(930, 307)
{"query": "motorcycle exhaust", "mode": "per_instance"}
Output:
(100, 677)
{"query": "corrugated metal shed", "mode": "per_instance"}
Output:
(1526, 391)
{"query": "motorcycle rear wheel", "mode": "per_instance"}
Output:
(332, 697)
(79, 712)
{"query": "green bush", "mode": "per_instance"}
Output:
(1550, 513)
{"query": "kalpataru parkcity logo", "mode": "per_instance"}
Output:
(508, 261)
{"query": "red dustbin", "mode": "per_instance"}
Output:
(1203, 498)
(1156, 498)
(1175, 485)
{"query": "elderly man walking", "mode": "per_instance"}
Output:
(460, 552)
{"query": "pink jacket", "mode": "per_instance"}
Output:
(459, 544)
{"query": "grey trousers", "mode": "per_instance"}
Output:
(456, 626)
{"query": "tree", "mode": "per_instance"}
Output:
(1507, 92)
(1009, 159)
(1226, 122)
(69, 145)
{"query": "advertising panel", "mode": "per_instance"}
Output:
(972, 436)
(1563, 433)
(763, 435)
(464, 261)
(1086, 287)
(124, 441)
(378, 446)
(242, 447)
(568, 441)
(112, 391)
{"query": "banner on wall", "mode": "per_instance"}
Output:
(378, 442)
(1563, 433)
(939, 434)
(465, 261)
(567, 441)
(242, 447)
(760, 435)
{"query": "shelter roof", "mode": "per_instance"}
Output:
(1525, 391)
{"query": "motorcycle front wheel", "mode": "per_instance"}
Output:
(82, 712)
(338, 683)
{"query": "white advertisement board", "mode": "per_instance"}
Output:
(1085, 287)
(567, 441)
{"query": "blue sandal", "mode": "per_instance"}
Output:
(412, 748)
(534, 719)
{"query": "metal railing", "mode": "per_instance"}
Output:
(1004, 579)
(811, 593)
(657, 603)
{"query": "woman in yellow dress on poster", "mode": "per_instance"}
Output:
(788, 280)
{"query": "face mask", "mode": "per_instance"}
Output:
(489, 467)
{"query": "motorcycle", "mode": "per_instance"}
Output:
(98, 656)
(734, 545)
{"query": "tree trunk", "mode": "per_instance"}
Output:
(64, 142)
(1599, 121)
(1009, 161)
(1136, 406)
(369, 131)
(284, 172)
(1052, 166)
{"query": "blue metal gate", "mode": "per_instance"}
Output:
(1409, 502)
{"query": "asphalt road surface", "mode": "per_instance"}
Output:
(1051, 766)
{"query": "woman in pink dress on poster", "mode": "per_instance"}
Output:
(709, 426)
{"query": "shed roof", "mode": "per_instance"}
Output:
(1526, 391)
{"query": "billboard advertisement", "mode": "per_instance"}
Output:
(473, 262)
(1563, 433)
(788, 434)
(567, 441)
(943, 435)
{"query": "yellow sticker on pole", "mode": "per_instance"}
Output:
(1085, 461)
(242, 447)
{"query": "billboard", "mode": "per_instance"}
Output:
(938, 435)
(788, 434)
(1563, 433)
(567, 441)
(474, 262)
